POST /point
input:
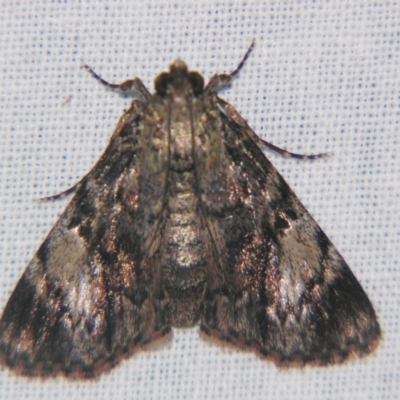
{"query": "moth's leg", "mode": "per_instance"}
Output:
(219, 81)
(235, 116)
(63, 194)
(286, 153)
(131, 87)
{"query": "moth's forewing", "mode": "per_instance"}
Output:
(280, 285)
(90, 295)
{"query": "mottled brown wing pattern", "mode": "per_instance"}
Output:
(183, 218)
(89, 297)
(277, 282)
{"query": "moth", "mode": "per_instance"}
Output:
(183, 220)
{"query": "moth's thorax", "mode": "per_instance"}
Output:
(182, 130)
(174, 110)
(173, 123)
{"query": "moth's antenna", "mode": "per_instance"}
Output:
(131, 87)
(219, 81)
(246, 56)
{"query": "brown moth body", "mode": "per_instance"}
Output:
(183, 220)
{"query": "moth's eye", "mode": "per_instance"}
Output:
(197, 82)
(161, 83)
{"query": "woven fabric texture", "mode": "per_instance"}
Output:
(324, 76)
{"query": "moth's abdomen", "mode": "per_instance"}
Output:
(183, 256)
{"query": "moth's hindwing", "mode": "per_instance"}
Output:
(277, 282)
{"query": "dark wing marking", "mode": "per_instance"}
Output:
(276, 281)
(90, 295)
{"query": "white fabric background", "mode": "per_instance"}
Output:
(325, 75)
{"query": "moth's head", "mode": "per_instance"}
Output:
(179, 79)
